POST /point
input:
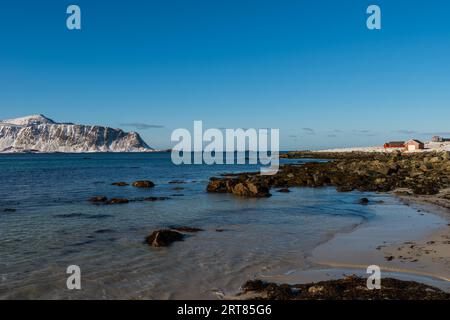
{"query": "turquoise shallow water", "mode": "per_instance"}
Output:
(54, 226)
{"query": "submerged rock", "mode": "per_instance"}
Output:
(163, 238)
(156, 198)
(120, 184)
(177, 182)
(98, 199)
(364, 201)
(101, 231)
(143, 184)
(284, 190)
(117, 201)
(186, 229)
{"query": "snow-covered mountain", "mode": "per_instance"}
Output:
(38, 133)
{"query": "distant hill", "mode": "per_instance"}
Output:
(37, 133)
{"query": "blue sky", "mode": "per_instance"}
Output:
(310, 68)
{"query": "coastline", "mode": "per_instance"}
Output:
(417, 252)
(348, 254)
(413, 247)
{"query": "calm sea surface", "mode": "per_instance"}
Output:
(54, 226)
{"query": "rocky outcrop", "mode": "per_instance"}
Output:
(38, 133)
(243, 186)
(423, 174)
(349, 288)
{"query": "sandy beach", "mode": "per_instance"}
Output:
(406, 248)
(417, 247)
(410, 245)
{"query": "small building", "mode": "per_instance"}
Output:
(439, 139)
(413, 144)
(394, 144)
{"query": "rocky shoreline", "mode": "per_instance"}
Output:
(418, 174)
(421, 177)
(348, 288)
(424, 175)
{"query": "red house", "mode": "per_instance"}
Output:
(394, 144)
(412, 145)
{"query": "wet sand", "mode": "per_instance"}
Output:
(415, 246)
(406, 246)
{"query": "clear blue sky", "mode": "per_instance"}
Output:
(310, 68)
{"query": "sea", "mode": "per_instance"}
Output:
(47, 224)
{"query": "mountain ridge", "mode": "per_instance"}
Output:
(38, 133)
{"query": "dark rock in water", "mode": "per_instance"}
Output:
(186, 229)
(156, 198)
(143, 184)
(101, 231)
(9, 210)
(218, 185)
(71, 215)
(77, 244)
(98, 216)
(220, 230)
(363, 201)
(252, 187)
(98, 199)
(349, 288)
(117, 201)
(120, 184)
(163, 238)
(177, 182)
(177, 188)
(285, 190)
(177, 195)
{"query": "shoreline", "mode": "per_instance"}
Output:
(415, 247)
(415, 256)
(334, 261)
